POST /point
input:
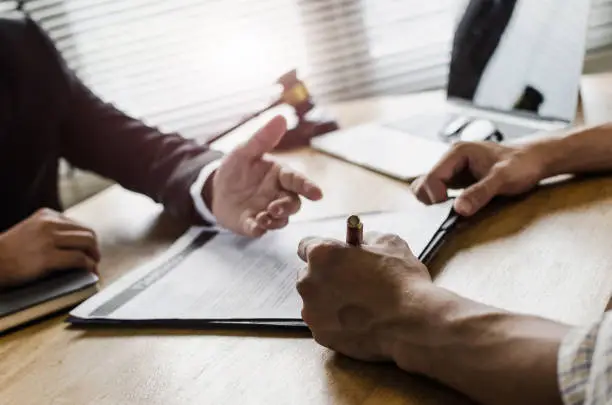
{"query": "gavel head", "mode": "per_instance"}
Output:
(295, 93)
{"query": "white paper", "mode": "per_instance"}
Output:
(390, 151)
(236, 278)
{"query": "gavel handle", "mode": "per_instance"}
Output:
(243, 121)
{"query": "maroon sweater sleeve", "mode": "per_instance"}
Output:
(97, 136)
(46, 113)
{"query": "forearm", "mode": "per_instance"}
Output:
(490, 355)
(584, 151)
(98, 137)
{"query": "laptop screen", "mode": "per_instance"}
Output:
(520, 56)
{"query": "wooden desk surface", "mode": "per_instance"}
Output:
(549, 253)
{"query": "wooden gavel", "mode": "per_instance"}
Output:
(295, 94)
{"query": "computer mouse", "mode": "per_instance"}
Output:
(454, 127)
(480, 130)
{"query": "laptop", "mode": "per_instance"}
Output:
(514, 71)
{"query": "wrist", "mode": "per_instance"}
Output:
(424, 334)
(550, 155)
(415, 330)
(488, 354)
(580, 151)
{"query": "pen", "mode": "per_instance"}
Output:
(354, 231)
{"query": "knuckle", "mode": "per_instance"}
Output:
(376, 237)
(302, 274)
(428, 178)
(44, 212)
(391, 239)
(501, 171)
(323, 339)
(385, 238)
(304, 287)
(47, 225)
(305, 315)
(322, 253)
(461, 147)
(418, 187)
(262, 217)
(288, 203)
(417, 184)
(92, 235)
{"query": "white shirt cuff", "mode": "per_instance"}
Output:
(196, 192)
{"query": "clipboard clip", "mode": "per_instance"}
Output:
(439, 238)
(451, 220)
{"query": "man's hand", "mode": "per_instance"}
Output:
(486, 169)
(354, 297)
(43, 243)
(378, 303)
(250, 194)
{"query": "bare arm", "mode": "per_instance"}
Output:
(493, 356)
(586, 150)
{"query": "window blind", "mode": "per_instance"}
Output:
(7, 6)
(196, 66)
(600, 25)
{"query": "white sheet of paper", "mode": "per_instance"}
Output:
(386, 150)
(231, 277)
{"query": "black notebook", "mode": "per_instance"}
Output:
(208, 278)
(45, 296)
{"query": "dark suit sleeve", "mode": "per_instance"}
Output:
(98, 137)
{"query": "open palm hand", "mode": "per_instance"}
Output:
(250, 194)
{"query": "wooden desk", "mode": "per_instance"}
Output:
(549, 253)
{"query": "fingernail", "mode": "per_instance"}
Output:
(431, 196)
(463, 206)
(252, 225)
(311, 188)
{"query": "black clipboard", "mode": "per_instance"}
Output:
(99, 316)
